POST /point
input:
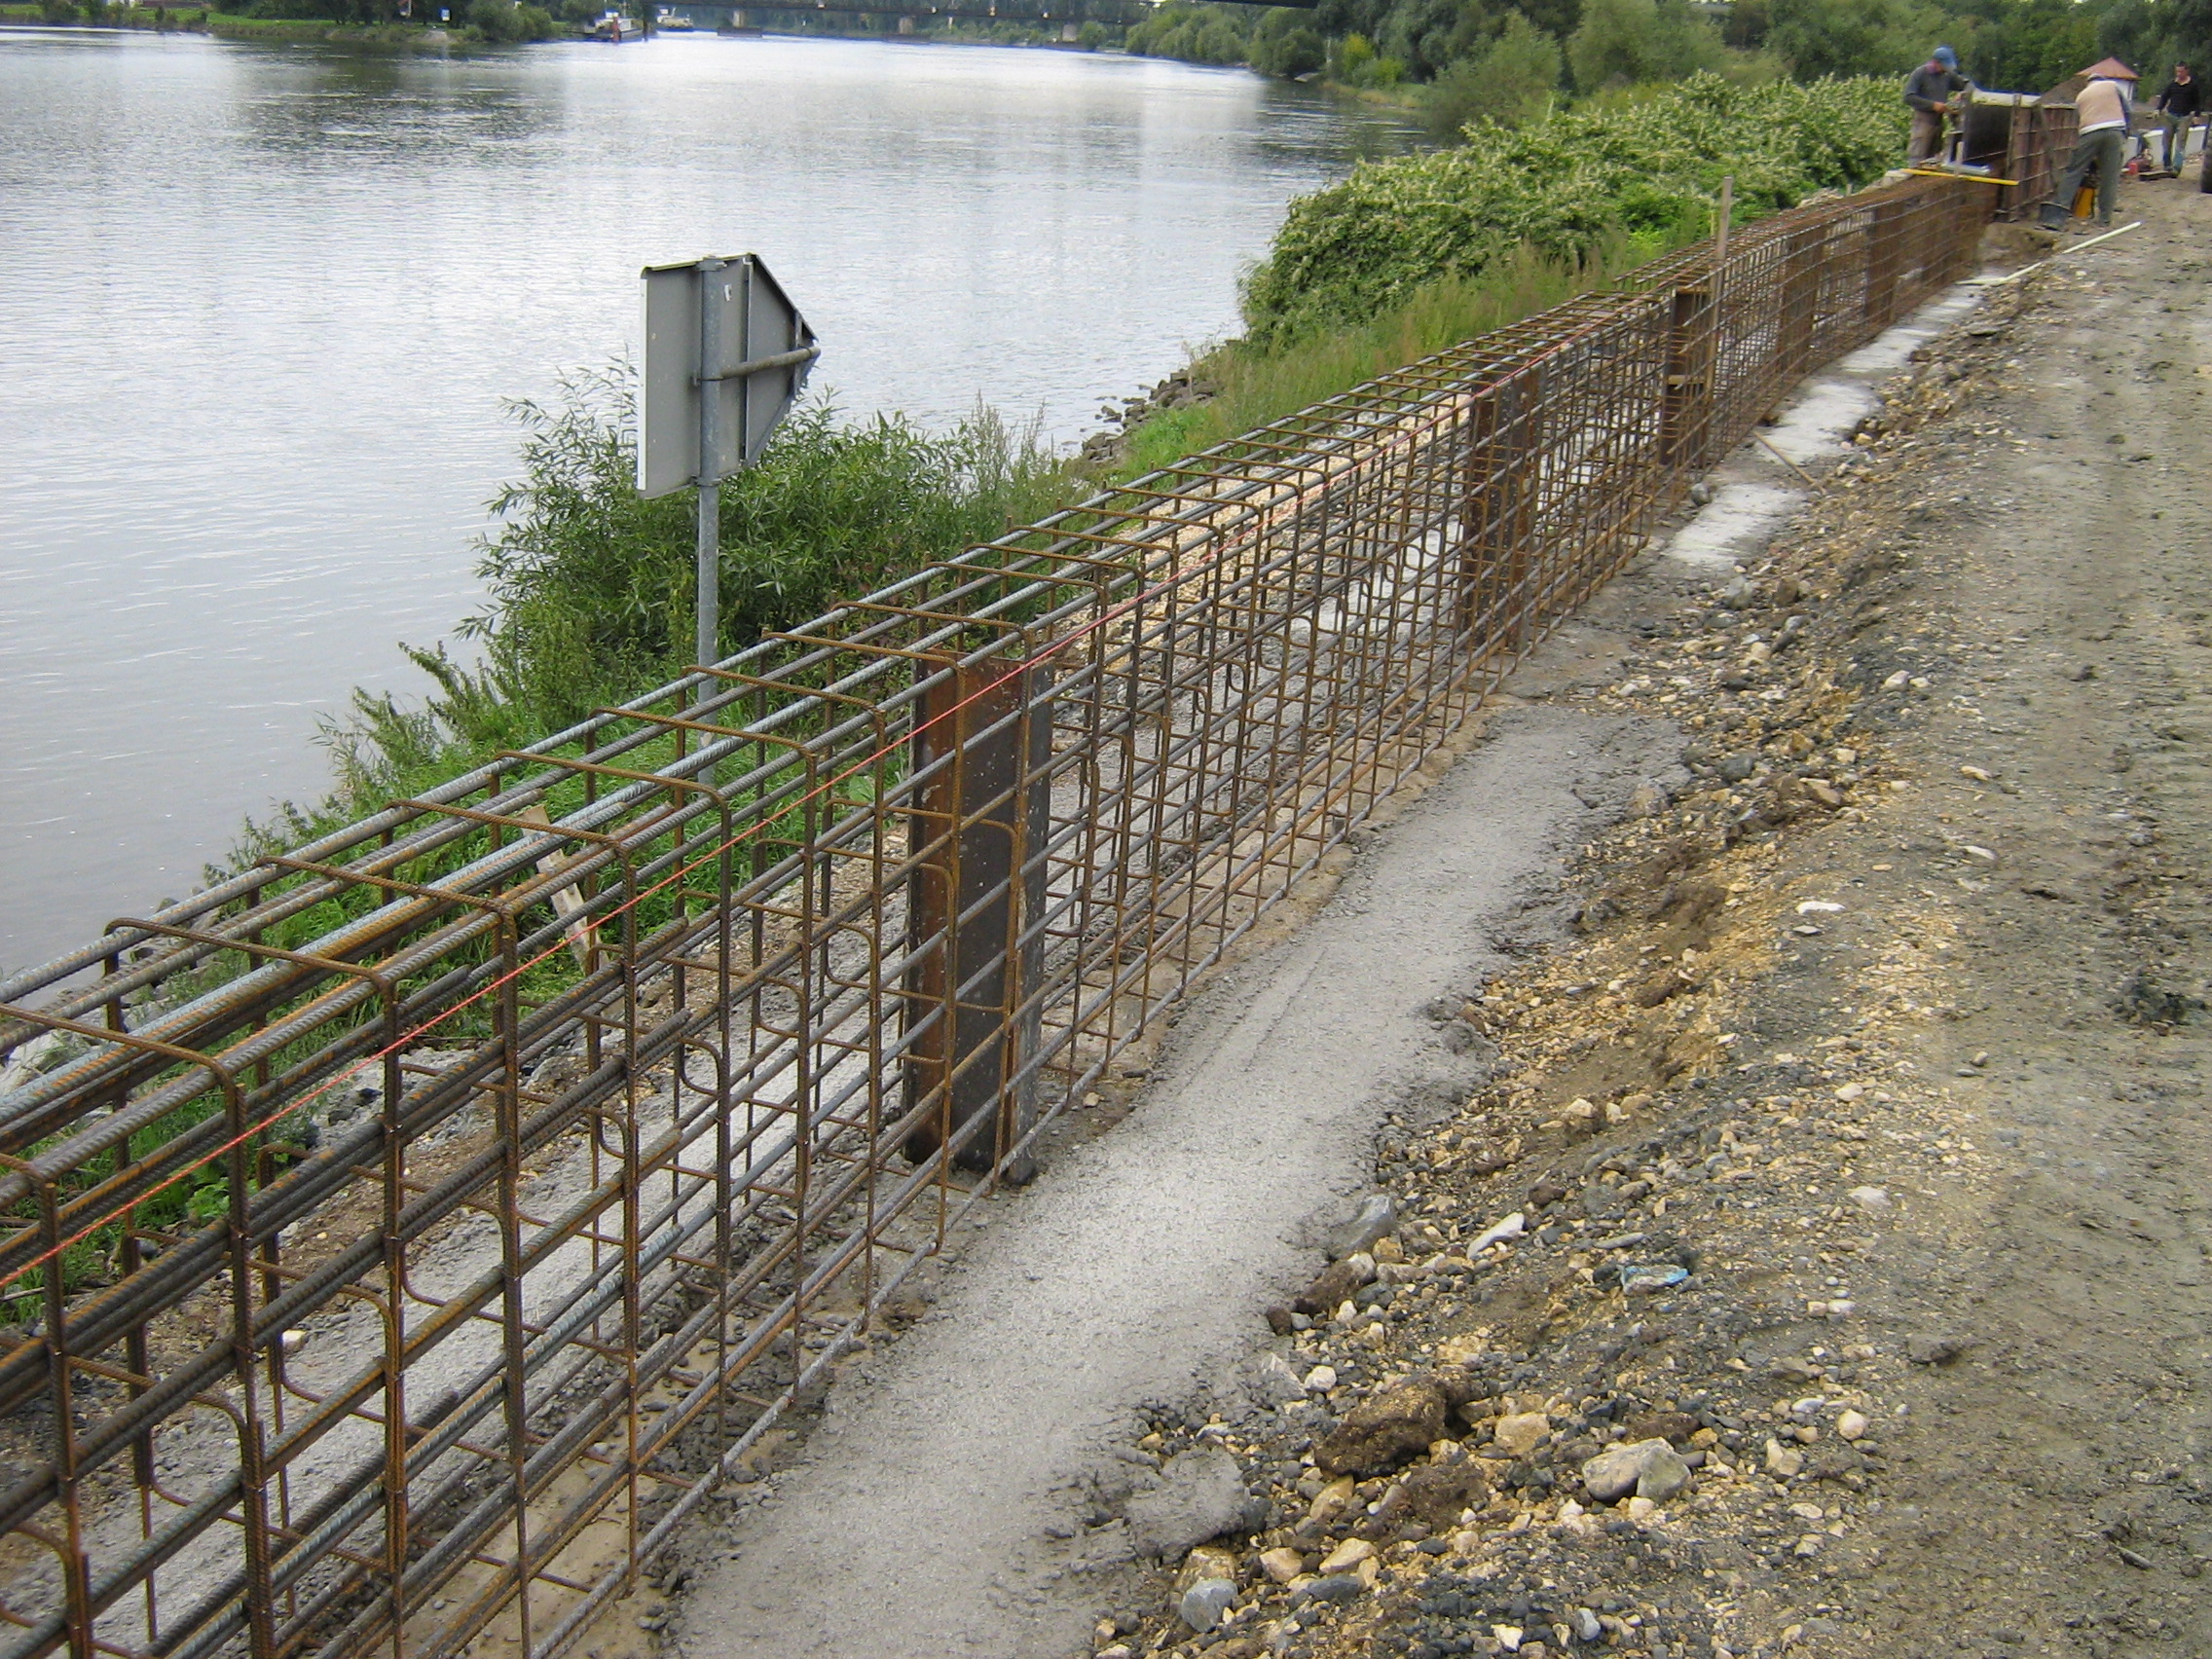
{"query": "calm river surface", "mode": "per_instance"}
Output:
(259, 308)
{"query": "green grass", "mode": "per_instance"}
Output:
(230, 27)
(1265, 382)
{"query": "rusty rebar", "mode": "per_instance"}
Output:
(400, 1238)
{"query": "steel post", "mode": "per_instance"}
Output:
(977, 829)
(707, 642)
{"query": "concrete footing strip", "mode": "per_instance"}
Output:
(917, 1525)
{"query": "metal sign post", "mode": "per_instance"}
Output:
(707, 404)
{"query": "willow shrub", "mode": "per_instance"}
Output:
(1563, 184)
(590, 586)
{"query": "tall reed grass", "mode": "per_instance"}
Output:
(1264, 379)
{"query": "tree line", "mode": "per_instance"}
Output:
(1510, 60)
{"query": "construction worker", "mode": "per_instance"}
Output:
(2181, 103)
(1930, 91)
(2100, 143)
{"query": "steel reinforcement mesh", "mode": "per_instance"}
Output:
(403, 1235)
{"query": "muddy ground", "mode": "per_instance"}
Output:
(1852, 1161)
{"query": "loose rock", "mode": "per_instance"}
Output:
(1375, 1216)
(1435, 1494)
(1337, 1587)
(1346, 1555)
(1208, 1561)
(1275, 1384)
(1384, 1430)
(1331, 1502)
(1521, 1431)
(1652, 1469)
(1205, 1602)
(1512, 1226)
(1201, 1495)
(1335, 1284)
(1933, 1351)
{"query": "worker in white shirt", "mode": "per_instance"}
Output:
(2100, 142)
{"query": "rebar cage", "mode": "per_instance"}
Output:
(400, 1237)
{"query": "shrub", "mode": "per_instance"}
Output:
(1286, 45)
(1359, 65)
(504, 22)
(1195, 34)
(1513, 80)
(1562, 184)
(1631, 42)
(590, 584)
(1858, 37)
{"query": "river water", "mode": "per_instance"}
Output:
(260, 307)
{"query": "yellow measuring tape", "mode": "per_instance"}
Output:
(1947, 172)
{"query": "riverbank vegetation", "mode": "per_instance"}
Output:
(1411, 255)
(369, 22)
(589, 585)
(1508, 60)
(98, 14)
(1562, 185)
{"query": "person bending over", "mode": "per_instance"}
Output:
(1930, 90)
(2100, 144)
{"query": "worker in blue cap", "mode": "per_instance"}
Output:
(1931, 91)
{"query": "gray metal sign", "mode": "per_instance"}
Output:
(743, 339)
(725, 355)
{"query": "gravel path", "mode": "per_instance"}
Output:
(917, 1524)
(1884, 1041)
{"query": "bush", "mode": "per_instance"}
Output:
(1359, 65)
(590, 584)
(1286, 45)
(1631, 42)
(1858, 37)
(1194, 34)
(1094, 36)
(1514, 80)
(504, 22)
(1562, 184)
